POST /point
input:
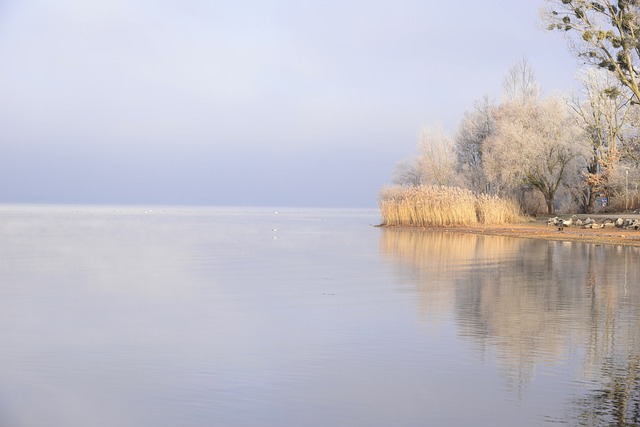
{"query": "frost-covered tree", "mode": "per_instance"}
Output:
(604, 116)
(520, 82)
(437, 157)
(407, 173)
(537, 143)
(435, 163)
(474, 128)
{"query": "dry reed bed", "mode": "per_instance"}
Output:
(433, 206)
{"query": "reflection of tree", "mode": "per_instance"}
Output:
(437, 258)
(524, 306)
(533, 302)
(612, 354)
(617, 400)
(502, 291)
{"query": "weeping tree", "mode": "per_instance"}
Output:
(603, 33)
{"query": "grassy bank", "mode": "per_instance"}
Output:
(432, 206)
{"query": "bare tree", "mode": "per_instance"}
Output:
(520, 82)
(606, 34)
(630, 139)
(536, 143)
(625, 181)
(604, 116)
(474, 128)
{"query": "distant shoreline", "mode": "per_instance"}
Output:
(540, 230)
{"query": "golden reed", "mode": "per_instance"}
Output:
(434, 206)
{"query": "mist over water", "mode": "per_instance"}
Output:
(248, 317)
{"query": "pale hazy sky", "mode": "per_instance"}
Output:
(244, 102)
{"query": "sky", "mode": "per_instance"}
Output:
(245, 102)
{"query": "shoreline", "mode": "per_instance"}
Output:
(541, 231)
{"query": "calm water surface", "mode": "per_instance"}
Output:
(113, 316)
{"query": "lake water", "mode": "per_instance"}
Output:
(114, 316)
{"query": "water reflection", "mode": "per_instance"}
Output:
(536, 304)
(200, 318)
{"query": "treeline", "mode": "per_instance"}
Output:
(576, 152)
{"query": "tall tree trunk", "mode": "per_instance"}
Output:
(549, 196)
(591, 202)
(550, 208)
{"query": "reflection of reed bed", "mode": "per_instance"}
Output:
(416, 247)
(433, 206)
